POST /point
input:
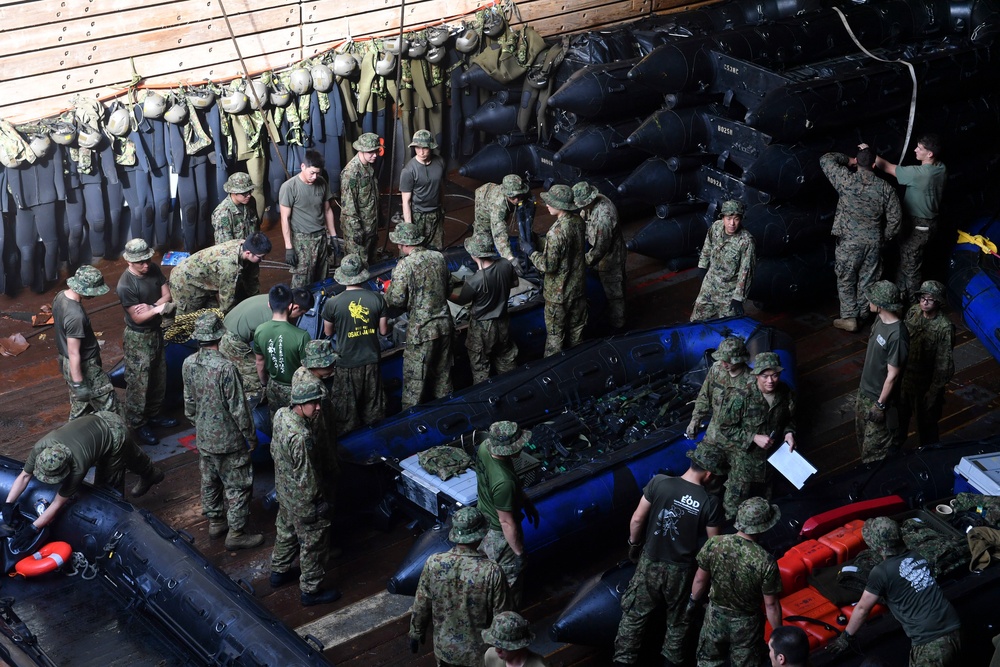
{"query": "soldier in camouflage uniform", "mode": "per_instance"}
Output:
(729, 372)
(929, 366)
(420, 283)
(727, 261)
(493, 207)
(865, 201)
(318, 366)
(145, 296)
(904, 583)
(460, 590)
(236, 216)
(562, 263)
(509, 637)
(90, 388)
(607, 247)
(303, 527)
(359, 198)
(421, 187)
(672, 515)
(741, 575)
(220, 276)
(214, 401)
(307, 222)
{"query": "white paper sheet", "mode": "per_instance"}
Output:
(792, 465)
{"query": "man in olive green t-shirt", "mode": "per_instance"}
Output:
(279, 347)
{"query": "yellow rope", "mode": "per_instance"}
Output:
(182, 328)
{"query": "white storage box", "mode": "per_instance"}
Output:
(423, 488)
(982, 471)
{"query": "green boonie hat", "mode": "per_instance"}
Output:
(509, 631)
(468, 526)
(507, 438)
(307, 389)
(239, 183)
(137, 250)
(708, 459)
(115, 424)
(766, 361)
(886, 295)
(319, 354)
(352, 270)
(367, 143)
(480, 245)
(882, 534)
(513, 185)
(560, 197)
(756, 515)
(423, 139)
(584, 194)
(52, 465)
(733, 207)
(208, 327)
(87, 281)
(732, 350)
(406, 233)
(933, 289)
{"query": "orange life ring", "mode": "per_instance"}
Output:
(50, 557)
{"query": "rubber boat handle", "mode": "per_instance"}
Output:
(246, 585)
(188, 537)
(315, 642)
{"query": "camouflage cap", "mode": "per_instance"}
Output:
(115, 424)
(710, 459)
(933, 289)
(137, 250)
(882, 534)
(352, 270)
(767, 361)
(885, 294)
(319, 354)
(423, 139)
(238, 183)
(733, 207)
(87, 281)
(756, 515)
(208, 327)
(509, 631)
(514, 186)
(507, 438)
(732, 350)
(306, 390)
(406, 233)
(560, 197)
(481, 245)
(584, 194)
(52, 465)
(368, 143)
(468, 526)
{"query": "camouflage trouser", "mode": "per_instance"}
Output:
(911, 256)
(309, 541)
(652, 585)
(145, 375)
(190, 298)
(244, 359)
(495, 547)
(490, 345)
(110, 470)
(747, 477)
(875, 440)
(278, 396)
(927, 410)
(313, 258)
(229, 475)
(360, 399)
(564, 323)
(431, 224)
(360, 238)
(613, 282)
(99, 384)
(941, 652)
(731, 634)
(857, 266)
(426, 370)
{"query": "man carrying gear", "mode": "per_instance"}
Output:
(220, 276)
(493, 205)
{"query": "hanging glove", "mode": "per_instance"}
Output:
(291, 259)
(737, 307)
(634, 551)
(531, 513)
(843, 642)
(333, 246)
(690, 609)
(24, 538)
(875, 415)
(80, 391)
(691, 432)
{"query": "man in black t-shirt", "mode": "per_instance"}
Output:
(681, 511)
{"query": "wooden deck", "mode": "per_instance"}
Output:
(368, 626)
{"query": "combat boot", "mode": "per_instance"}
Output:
(281, 578)
(217, 528)
(319, 597)
(147, 482)
(849, 324)
(237, 539)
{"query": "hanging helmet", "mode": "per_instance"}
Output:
(468, 41)
(493, 23)
(256, 92)
(344, 64)
(435, 54)
(88, 136)
(201, 97)
(438, 35)
(40, 144)
(322, 78)
(63, 133)
(279, 96)
(120, 122)
(154, 105)
(396, 45)
(234, 101)
(385, 65)
(299, 81)
(418, 47)
(178, 111)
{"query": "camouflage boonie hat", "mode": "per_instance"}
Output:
(208, 328)
(52, 464)
(468, 526)
(307, 390)
(352, 270)
(756, 515)
(933, 289)
(882, 534)
(766, 361)
(137, 250)
(319, 354)
(423, 139)
(87, 281)
(406, 233)
(886, 295)
(584, 194)
(733, 207)
(732, 350)
(509, 631)
(513, 185)
(368, 143)
(238, 183)
(114, 423)
(560, 197)
(480, 245)
(507, 438)
(708, 459)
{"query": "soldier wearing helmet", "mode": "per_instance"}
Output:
(930, 364)
(307, 221)
(236, 216)
(421, 185)
(359, 198)
(727, 262)
(904, 583)
(494, 204)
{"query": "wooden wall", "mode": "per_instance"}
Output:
(55, 49)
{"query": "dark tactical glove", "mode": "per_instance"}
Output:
(169, 308)
(518, 269)
(24, 538)
(531, 512)
(80, 391)
(291, 259)
(320, 511)
(690, 609)
(875, 415)
(737, 307)
(843, 642)
(8, 510)
(414, 645)
(333, 246)
(634, 551)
